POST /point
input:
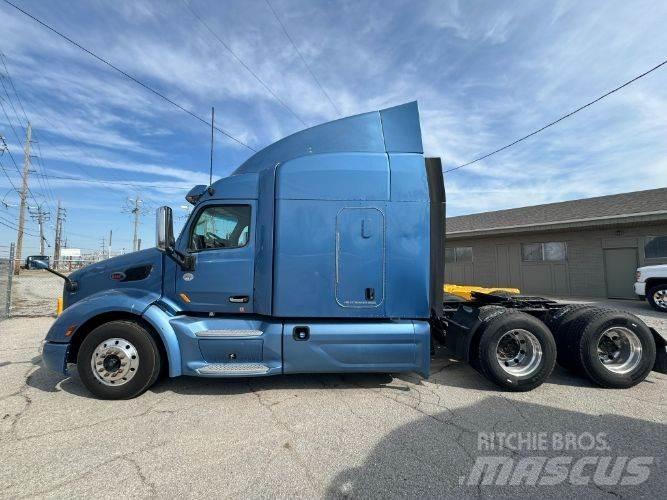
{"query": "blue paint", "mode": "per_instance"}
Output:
(338, 245)
(387, 346)
(400, 126)
(340, 176)
(54, 356)
(132, 301)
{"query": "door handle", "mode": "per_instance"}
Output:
(239, 299)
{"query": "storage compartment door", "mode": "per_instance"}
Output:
(360, 257)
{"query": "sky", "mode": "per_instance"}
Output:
(483, 72)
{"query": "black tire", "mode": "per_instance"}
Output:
(149, 360)
(560, 323)
(653, 294)
(589, 330)
(495, 325)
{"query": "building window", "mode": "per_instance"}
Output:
(458, 254)
(656, 247)
(551, 251)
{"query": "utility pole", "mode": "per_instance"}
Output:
(109, 247)
(41, 216)
(60, 218)
(23, 196)
(134, 207)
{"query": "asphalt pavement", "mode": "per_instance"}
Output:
(332, 436)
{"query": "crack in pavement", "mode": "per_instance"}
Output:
(144, 480)
(314, 483)
(91, 470)
(28, 402)
(147, 411)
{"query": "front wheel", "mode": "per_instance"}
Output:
(657, 297)
(516, 351)
(118, 360)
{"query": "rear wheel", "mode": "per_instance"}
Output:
(516, 350)
(561, 323)
(118, 360)
(657, 297)
(613, 348)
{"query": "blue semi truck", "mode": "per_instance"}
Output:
(321, 253)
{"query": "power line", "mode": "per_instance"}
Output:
(241, 62)
(303, 60)
(127, 75)
(15, 228)
(561, 118)
(6, 148)
(40, 159)
(3, 148)
(72, 139)
(11, 82)
(9, 121)
(47, 187)
(11, 125)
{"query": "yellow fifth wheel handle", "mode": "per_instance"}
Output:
(464, 291)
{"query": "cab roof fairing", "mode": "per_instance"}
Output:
(391, 130)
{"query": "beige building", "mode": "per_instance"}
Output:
(581, 248)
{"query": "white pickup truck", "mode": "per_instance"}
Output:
(651, 285)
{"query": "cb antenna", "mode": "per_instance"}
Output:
(210, 171)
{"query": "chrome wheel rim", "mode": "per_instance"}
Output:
(660, 298)
(619, 350)
(519, 353)
(114, 362)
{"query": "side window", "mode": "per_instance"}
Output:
(463, 254)
(458, 254)
(656, 247)
(531, 252)
(221, 226)
(553, 251)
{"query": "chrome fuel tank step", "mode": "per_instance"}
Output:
(233, 369)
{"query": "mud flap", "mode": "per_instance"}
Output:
(660, 365)
(461, 328)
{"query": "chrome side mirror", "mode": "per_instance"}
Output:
(164, 229)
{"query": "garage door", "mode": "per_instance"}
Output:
(620, 265)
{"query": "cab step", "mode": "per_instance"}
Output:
(221, 369)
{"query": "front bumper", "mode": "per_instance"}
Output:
(54, 356)
(640, 288)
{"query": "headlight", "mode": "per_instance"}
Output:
(638, 275)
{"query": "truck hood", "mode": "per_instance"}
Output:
(657, 269)
(137, 270)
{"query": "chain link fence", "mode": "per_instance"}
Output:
(6, 279)
(33, 292)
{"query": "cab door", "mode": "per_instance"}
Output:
(221, 237)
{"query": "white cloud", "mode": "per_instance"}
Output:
(484, 73)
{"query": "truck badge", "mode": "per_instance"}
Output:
(188, 277)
